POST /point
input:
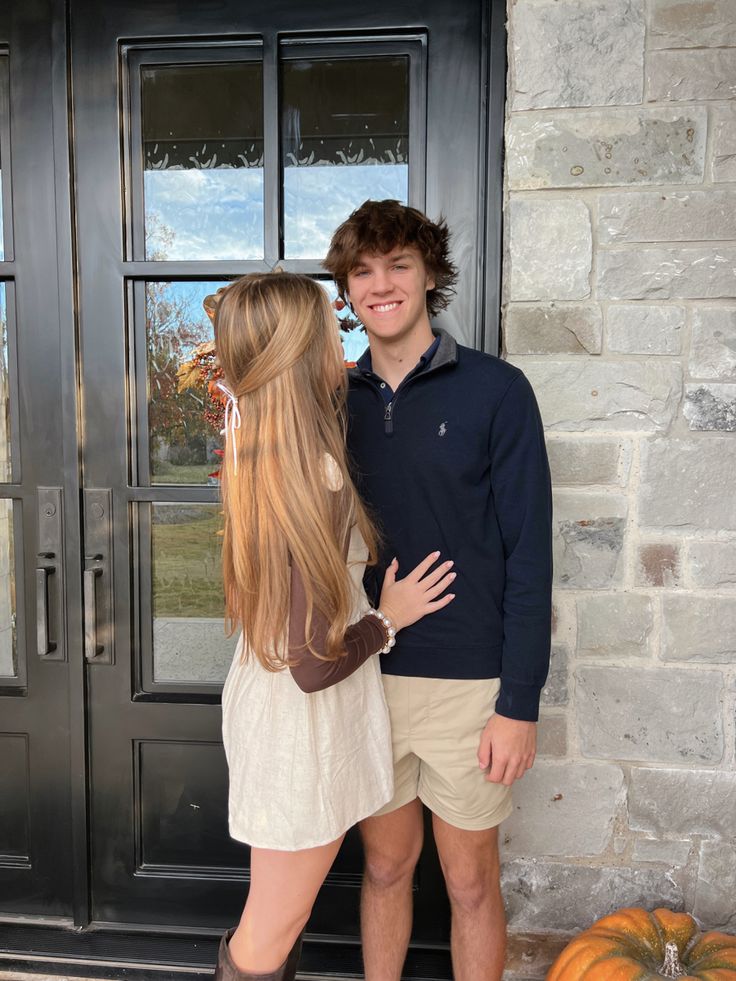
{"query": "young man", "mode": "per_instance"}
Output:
(449, 453)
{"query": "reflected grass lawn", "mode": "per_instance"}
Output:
(187, 576)
(193, 473)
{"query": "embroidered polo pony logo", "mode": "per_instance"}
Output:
(442, 431)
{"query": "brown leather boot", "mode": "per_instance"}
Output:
(292, 961)
(227, 971)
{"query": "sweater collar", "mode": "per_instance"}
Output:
(446, 354)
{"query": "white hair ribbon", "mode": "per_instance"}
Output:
(232, 421)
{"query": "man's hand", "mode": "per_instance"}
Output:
(507, 747)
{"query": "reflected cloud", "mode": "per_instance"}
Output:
(318, 199)
(204, 214)
(218, 213)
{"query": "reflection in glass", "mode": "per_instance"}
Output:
(3, 126)
(203, 161)
(183, 444)
(353, 338)
(345, 138)
(8, 646)
(5, 461)
(189, 642)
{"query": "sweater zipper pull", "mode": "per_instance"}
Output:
(388, 423)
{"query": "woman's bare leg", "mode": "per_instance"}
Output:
(283, 888)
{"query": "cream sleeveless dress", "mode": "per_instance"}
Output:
(306, 767)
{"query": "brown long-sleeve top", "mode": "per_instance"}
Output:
(362, 639)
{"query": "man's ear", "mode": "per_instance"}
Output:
(430, 283)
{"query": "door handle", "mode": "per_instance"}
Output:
(50, 591)
(97, 583)
(91, 648)
(44, 645)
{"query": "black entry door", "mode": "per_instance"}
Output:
(211, 140)
(41, 685)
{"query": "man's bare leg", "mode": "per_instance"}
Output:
(471, 867)
(392, 845)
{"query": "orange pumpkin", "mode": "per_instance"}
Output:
(633, 945)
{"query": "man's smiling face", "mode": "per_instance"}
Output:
(389, 292)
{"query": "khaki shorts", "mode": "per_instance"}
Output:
(436, 725)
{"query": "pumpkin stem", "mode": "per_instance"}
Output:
(671, 967)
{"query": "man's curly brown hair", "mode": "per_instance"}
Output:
(378, 227)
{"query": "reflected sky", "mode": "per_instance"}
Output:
(208, 213)
(217, 213)
(318, 199)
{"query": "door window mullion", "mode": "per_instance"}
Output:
(272, 209)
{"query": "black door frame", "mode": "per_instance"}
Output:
(27, 18)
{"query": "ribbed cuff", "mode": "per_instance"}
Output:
(519, 701)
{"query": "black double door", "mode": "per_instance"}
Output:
(149, 152)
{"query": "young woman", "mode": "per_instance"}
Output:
(305, 724)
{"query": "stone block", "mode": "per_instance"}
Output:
(658, 564)
(550, 250)
(691, 76)
(711, 407)
(560, 896)
(712, 565)
(687, 484)
(555, 689)
(588, 540)
(692, 24)
(552, 735)
(579, 395)
(682, 802)
(633, 328)
(699, 628)
(713, 348)
(672, 216)
(606, 148)
(723, 165)
(584, 53)
(583, 461)
(563, 618)
(567, 328)
(662, 715)
(716, 886)
(563, 809)
(665, 274)
(618, 625)
(672, 853)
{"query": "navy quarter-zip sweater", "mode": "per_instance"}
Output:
(456, 461)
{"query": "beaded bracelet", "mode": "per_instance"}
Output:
(388, 627)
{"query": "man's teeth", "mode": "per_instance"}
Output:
(384, 307)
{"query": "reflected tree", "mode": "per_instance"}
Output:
(178, 430)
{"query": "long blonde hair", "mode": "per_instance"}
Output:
(278, 345)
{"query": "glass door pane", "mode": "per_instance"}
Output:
(189, 641)
(182, 428)
(345, 138)
(5, 251)
(8, 645)
(203, 160)
(6, 469)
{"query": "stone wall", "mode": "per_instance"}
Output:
(620, 278)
